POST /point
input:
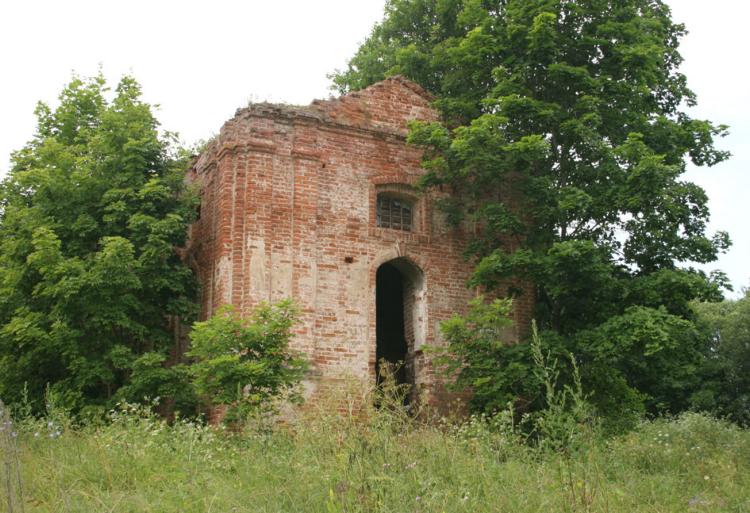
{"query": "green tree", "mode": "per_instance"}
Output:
(90, 216)
(564, 138)
(725, 386)
(244, 363)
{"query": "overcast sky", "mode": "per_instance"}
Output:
(200, 61)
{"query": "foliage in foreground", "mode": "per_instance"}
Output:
(240, 364)
(379, 461)
(90, 216)
(533, 375)
(245, 363)
(564, 138)
(536, 374)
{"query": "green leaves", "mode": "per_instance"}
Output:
(567, 111)
(244, 362)
(479, 355)
(726, 372)
(91, 213)
(563, 140)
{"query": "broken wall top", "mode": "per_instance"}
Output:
(384, 108)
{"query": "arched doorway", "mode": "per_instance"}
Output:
(400, 318)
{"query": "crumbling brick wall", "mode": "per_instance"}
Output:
(288, 209)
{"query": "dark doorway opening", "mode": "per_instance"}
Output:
(391, 343)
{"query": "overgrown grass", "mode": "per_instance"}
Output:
(379, 461)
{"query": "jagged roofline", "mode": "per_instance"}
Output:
(310, 111)
(318, 111)
(401, 79)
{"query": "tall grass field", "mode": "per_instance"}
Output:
(379, 461)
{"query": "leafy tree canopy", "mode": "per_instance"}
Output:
(564, 138)
(90, 216)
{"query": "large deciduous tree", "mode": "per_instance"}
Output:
(90, 216)
(564, 137)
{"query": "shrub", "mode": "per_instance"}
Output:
(243, 363)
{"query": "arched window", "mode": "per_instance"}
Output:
(395, 212)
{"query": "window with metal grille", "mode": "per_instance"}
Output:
(394, 213)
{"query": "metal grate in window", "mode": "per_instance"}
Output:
(394, 213)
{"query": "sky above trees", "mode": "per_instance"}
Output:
(200, 63)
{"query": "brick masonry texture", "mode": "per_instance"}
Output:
(288, 209)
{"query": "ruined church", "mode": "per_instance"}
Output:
(319, 204)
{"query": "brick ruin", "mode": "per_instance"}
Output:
(318, 203)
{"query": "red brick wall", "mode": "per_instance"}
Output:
(288, 210)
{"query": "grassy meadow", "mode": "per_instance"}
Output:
(379, 462)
